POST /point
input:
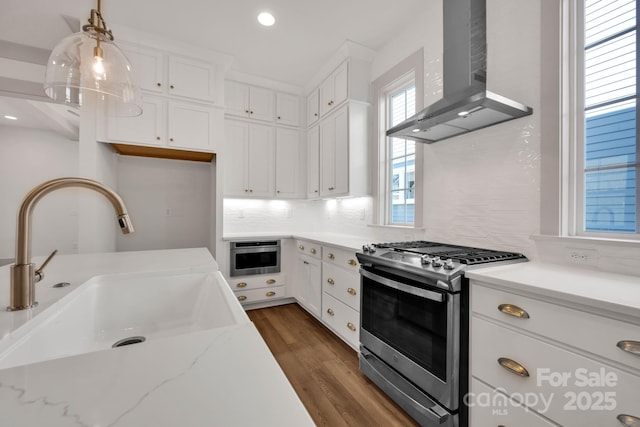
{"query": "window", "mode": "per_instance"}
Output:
(606, 118)
(401, 160)
(397, 183)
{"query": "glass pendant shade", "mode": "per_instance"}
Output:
(89, 60)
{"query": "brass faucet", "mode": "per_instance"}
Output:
(24, 275)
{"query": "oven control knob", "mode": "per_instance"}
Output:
(372, 249)
(425, 259)
(448, 265)
(366, 248)
(436, 262)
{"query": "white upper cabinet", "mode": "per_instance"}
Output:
(249, 101)
(249, 159)
(288, 180)
(313, 162)
(148, 67)
(287, 109)
(335, 89)
(166, 123)
(172, 75)
(191, 78)
(313, 107)
(334, 154)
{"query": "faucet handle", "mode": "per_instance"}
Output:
(39, 273)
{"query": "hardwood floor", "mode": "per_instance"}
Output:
(324, 371)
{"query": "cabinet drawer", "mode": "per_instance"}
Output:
(344, 320)
(595, 334)
(308, 248)
(255, 282)
(255, 295)
(342, 284)
(489, 408)
(577, 402)
(341, 257)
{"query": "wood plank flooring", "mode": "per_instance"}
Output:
(324, 371)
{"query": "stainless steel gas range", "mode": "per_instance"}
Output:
(414, 319)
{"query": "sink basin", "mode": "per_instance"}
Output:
(108, 309)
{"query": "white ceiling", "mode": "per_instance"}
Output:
(306, 34)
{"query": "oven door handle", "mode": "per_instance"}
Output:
(413, 290)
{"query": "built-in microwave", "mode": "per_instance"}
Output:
(254, 257)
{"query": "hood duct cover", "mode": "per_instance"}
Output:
(466, 105)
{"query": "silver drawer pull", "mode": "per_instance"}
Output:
(513, 310)
(629, 420)
(513, 366)
(632, 347)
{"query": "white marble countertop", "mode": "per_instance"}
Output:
(613, 294)
(333, 239)
(224, 376)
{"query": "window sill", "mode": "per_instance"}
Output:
(396, 227)
(597, 241)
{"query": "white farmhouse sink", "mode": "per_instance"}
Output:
(107, 309)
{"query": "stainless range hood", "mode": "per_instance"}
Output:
(466, 105)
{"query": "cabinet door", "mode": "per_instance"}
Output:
(327, 157)
(147, 65)
(288, 183)
(190, 126)
(341, 152)
(309, 288)
(313, 162)
(236, 98)
(191, 78)
(326, 96)
(313, 113)
(234, 158)
(340, 84)
(260, 171)
(261, 104)
(287, 109)
(149, 128)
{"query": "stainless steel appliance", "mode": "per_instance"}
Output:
(414, 319)
(254, 257)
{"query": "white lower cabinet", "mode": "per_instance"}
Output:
(309, 288)
(493, 408)
(328, 286)
(562, 363)
(258, 288)
(342, 319)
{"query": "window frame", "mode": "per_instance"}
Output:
(573, 221)
(411, 68)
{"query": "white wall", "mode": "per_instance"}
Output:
(169, 202)
(29, 157)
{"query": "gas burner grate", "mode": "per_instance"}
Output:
(461, 254)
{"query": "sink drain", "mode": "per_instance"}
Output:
(128, 341)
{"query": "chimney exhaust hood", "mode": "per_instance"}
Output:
(466, 105)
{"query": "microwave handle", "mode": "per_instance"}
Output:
(419, 292)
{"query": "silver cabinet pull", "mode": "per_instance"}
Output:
(513, 310)
(513, 366)
(632, 347)
(629, 420)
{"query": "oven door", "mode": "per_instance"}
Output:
(414, 327)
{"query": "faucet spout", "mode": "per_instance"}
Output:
(23, 277)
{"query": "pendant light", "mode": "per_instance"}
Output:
(89, 60)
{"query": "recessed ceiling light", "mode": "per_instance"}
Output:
(266, 19)
(10, 117)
